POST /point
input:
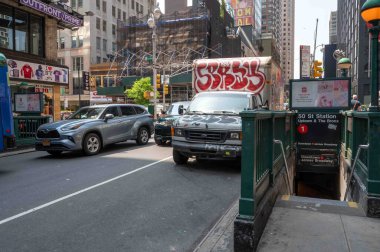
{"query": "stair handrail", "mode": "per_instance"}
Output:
(286, 163)
(361, 147)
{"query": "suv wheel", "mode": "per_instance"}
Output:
(179, 158)
(142, 136)
(91, 144)
(54, 152)
(158, 141)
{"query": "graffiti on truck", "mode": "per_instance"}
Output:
(241, 74)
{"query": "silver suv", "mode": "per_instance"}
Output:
(91, 128)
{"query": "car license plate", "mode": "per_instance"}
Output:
(45, 142)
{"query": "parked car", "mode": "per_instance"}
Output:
(91, 128)
(162, 129)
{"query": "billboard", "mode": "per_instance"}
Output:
(323, 93)
(305, 61)
(243, 11)
(38, 72)
(31, 102)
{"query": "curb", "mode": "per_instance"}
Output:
(220, 237)
(16, 152)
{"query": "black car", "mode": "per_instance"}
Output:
(162, 129)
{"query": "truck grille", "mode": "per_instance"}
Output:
(48, 134)
(205, 136)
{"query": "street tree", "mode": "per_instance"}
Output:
(138, 89)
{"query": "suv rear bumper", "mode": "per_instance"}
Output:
(207, 150)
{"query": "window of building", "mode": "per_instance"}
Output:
(36, 35)
(6, 40)
(113, 29)
(124, 1)
(104, 25)
(98, 79)
(98, 47)
(21, 31)
(73, 3)
(113, 11)
(73, 41)
(118, 14)
(98, 61)
(80, 3)
(98, 23)
(80, 41)
(124, 16)
(105, 45)
(104, 6)
(61, 61)
(77, 63)
(62, 42)
(98, 4)
(133, 4)
(114, 46)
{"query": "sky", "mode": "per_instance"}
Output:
(307, 12)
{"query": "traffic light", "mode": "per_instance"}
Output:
(158, 81)
(147, 95)
(317, 69)
(166, 89)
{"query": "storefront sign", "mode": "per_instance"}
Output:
(331, 94)
(318, 139)
(86, 80)
(43, 89)
(53, 12)
(243, 11)
(38, 72)
(95, 98)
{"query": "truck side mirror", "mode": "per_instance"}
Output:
(180, 110)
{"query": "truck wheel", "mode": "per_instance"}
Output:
(158, 141)
(179, 158)
(91, 144)
(142, 136)
(54, 153)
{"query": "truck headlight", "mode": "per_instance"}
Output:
(235, 136)
(179, 132)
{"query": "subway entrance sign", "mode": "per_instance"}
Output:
(318, 131)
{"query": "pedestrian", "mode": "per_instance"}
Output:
(355, 103)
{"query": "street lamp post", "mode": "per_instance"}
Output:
(344, 64)
(370, 12)
(152, 23)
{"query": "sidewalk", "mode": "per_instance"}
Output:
(17, 151)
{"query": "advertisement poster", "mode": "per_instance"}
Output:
(28, 102)
(305, 61)
(243, 11)
(318, 139)
(320, 94)
(38, 72)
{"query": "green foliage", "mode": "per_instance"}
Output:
(137, 91)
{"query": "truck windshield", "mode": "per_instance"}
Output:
(218, 103)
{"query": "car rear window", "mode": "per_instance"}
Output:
(139, 110)
(127, 111)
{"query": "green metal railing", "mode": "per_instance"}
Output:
(262, 159)
(364, 128)
(26, 128)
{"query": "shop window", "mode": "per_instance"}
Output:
(98, 79)
(108, 81)
(6, 29)
(21, 31)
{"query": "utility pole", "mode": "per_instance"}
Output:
(315, 46)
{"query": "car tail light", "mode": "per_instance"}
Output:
(172, 131)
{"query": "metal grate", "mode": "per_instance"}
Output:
(205, 136)
(48, 134)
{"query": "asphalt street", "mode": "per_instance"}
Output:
(127, 198)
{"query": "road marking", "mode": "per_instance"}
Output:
(79, 192)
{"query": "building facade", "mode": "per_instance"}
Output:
(28, 40)
(333, 39)
(287, 38)
(353, 39)
(95, 42)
